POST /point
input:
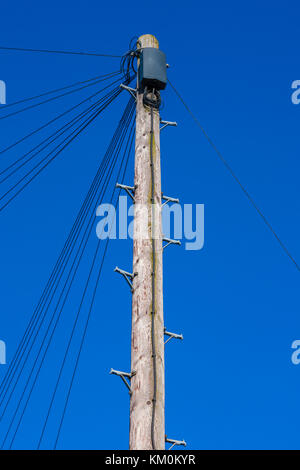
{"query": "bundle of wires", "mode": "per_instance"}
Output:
(66, 303)
(23, 170)
(127, 61)
(25, 368)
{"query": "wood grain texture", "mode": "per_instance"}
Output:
(141, 345)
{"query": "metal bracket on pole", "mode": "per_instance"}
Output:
(169, 199)
(129, 189)
(170, 242)
(132, 91)
(174, 442)
(128, 276)
(167, 123)
(123, 375)
(172, 335)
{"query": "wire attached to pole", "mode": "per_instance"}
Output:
(54, 119)
(130, 142)
(65, 143)
(58, 133)
(58, 269)
(90, 225)
(82, 82)
(35, 105)
(229, 168)
(22, 49)
(152, 105)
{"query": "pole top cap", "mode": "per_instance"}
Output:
(147, 40)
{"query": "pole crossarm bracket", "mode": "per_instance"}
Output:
(167, 123)
(123, 375)
(175, 442)
(129, 189)
(172, 335)
(169, 241)
(130, 90)
(169, 199)
(128, 276)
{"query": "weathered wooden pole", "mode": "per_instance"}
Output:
(147, 404)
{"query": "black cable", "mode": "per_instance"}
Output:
(45, 336)
(55, 136)
(45, 352)
(24, 362)
(88, 318)
(51, 121)
(51, 99)
(21, 49)
(18, 362)
(54, 91)
(14, 386)
(152, 98)
(72, 136)
(85, 202)
(78, 252)
(226, 164)
(130, 140)
(152, 105)
(53, 316)
(63, 258)
(58, 133)
(127, 61)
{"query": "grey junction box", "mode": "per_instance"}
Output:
(152, 69)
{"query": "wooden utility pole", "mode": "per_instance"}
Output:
(147, 404)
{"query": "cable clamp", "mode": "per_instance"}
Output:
(172, 335)
(123, 375)
(128, 276)
(170, 242)
(167, 123)
(175, 442)
(132, 91)
(129, 189)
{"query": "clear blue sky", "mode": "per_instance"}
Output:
(231, 383)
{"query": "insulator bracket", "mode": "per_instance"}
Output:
(130, 90)
(172, 335)
(128, 276)
(169, 241)
(129, 189)
(121, 374)
(175, 442)
(169, 199)
(167, 123)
